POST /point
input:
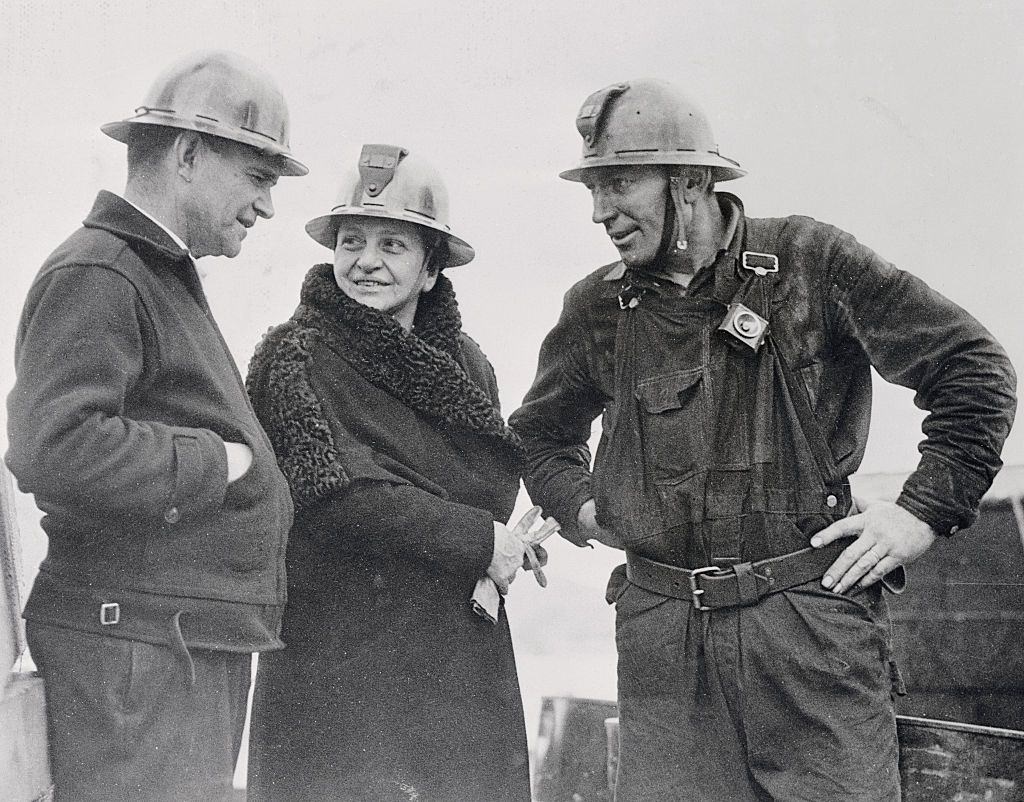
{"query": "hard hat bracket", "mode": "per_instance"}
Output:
(390, 182)
(588, 121)
(377, 165)
(646, 122)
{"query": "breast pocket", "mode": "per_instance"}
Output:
(674, 423)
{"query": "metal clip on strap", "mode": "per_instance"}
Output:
(761, 263)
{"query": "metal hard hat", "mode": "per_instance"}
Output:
(218, 93)
(392, 183)
(647, 121)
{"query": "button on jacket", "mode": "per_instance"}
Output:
(125, 395)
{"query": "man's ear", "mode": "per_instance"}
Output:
(188, 150)
(694, 182)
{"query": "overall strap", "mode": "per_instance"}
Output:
(763, 268)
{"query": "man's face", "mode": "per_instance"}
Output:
(629, 202)
(230, 188)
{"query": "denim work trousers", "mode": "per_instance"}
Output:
(787, 700)
(127, 722)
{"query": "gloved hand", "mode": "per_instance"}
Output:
(520, 547)
(509, 554)
(536, 556)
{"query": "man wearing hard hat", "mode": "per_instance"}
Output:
(729, 358)
(166, 513)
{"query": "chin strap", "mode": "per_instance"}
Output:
(676, 193)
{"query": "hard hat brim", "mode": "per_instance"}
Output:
(723, 169)
(324, 230)
(286, 163)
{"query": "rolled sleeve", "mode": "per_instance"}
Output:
(943, 496)
(962, 377)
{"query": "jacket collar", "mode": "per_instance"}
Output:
(422, 368)
(113, 213)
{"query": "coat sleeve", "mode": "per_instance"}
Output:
(346, 489)
(555, 419)
(81, 353)
(389, 519)
(919, 339)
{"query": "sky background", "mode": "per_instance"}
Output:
(901, 123)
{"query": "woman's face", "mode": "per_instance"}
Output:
(381, 263)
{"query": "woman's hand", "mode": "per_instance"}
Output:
(887, 536)
(509, 553)
(536, 556)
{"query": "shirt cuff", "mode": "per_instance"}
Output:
(943, 496)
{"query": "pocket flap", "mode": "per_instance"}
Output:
(663, 393)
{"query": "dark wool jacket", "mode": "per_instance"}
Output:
(125, 394)
(399, 463)
(837, 310)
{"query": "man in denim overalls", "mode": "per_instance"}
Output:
(729, 359)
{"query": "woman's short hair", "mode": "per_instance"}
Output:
(436, 245)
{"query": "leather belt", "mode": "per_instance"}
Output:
(741, 585)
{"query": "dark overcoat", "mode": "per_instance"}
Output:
(390, 686)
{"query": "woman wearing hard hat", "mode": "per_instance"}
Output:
(384, 418)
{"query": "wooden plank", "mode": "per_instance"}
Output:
(12, 630)
(24, 755)
(571, 755)
(950, 760)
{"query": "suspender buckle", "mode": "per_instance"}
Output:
(110, 613)
(761, 263)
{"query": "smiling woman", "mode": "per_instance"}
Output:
(384, 419)
(383, 264)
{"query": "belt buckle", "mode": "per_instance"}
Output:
(695, 590)
(110, 613)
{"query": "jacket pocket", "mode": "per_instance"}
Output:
(673, 423)
(261, 483)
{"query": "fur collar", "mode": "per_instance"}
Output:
(421, 368)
